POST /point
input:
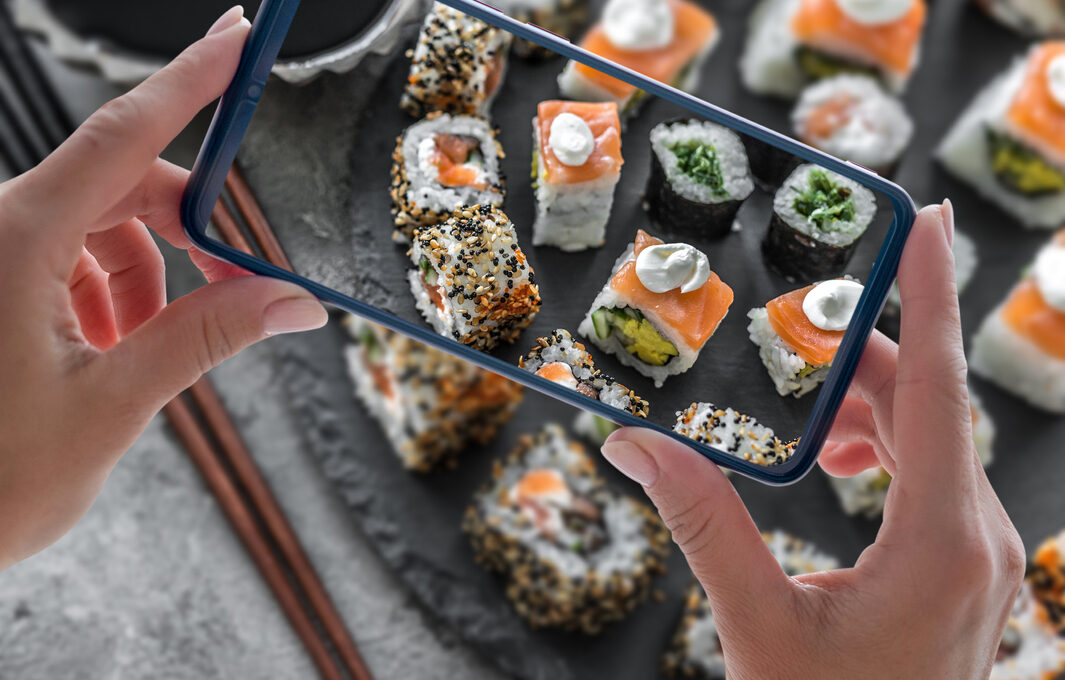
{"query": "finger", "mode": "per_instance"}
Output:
(137, 273)
(855, 423)
(846, 459)
(91, 300)
(155, 201)
(874, 383)
(214, 269)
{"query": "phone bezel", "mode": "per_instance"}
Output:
(234, 113)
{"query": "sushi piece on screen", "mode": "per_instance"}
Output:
(1029, 649)
(431, 405)
(798, 333)
(1010, 143)
(735, 433)
(470, 279)
(818, 218)
(457, 65)
(851, 117)
(667, 40)
(660, 306)
(576, 165)
(1020, 346)
(561, 17)
(593, 429)
(699, 178)
(791, 42)
(1046, 576)
(440, 164)
(575, 555)
(1037, 18)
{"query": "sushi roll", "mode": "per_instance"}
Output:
(818, 218)
(1047, 579)
(564, 18)
(575, 555)
(798, 333)
(667, 40)
(470, 279)
(654, 316)
(796, 556)
(456, 66)
(576, 165)
(1020, 346)
(699, 178)
(593, 429)
(562, 360)
(1009, 144)
(851, 117)
(440, 164)
(431, 405)
(1029, 649)
(1036, 18)
(792, 42)
(735, 433)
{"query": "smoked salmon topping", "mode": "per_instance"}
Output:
(890, 45)
(1034, 111)
(1028, 314)
(540, 483)
(813, 345)
(452, 161)
(603, 120)
(826, 119)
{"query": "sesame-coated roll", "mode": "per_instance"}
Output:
(575, 555)
(457, 65)
(561, 359)
(471, 281)
(1029, 649)
(1047, 578)
(733, 432)
(431, 405)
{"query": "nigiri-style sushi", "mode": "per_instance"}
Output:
(471, 280)
(1029, 649)
(562, 360)
(576, 165)
(791, 42)
(431, 405)
(798, 333)
(1037, 18)
(818, 218)
(564, 18)
(667, 40)
(1010, 143)
(575, 555)
(654, 315)
(440, 164)
(699, 178)
(1046, 576)
(457, 65)
(1021, 345)
(735, 433)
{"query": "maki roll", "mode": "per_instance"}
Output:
(431, 405)
(796, 556)
(851, 117)
(562, 360)
(654, 316)
(1020, 346)
(791, 42)
(699, 178)
(576, 165)
(593, 429)
(735, 433)
(1037, 18)
(1047, 579)
(575, 555)
(798, 333)
(457, 65)
(564, 18)
(470, 279)
(818, 218)
(1010, 143)
(667, 40)
(440, 164)
(1029, 649)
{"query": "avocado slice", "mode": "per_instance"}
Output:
(638, 335)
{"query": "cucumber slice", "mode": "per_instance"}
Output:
(427, 271)
(602, 323)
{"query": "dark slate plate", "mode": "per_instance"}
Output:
(313, 154)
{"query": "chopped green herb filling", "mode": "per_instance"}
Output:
(824, 203)
(699, 161)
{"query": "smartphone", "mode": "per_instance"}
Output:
(726, 275)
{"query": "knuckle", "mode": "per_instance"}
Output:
(112, 120)
(692, 526)
(215, 342)
(1013, 559)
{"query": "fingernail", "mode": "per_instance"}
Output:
(631, 461)
(231, 17)
(948, 219)
(294, 315)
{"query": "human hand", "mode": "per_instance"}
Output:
(930, 598)
(89, 349)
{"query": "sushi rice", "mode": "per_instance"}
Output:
(735, 433)
(1017, 364)
(789, 372)
(1029, 649)
(1046, 576)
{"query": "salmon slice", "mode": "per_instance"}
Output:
(694, 27)
(823, 121)
(695, 315)
(814, 345)
(450, 161)
(1034, 110)
(1027, 313)
(823, 24)
(603, 120)
(558, 372)
(540, 483)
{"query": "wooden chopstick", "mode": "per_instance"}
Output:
(253, 215)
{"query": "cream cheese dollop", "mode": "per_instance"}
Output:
(638, 24)
(1049, 273)
(872, 12)
(665, 267)
(571, 139)
(831, 304)
(1056, 79)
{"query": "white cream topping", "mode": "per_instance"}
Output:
(871, 12)
(638, 24)
(1056, 79)
(662, 268)
(831, 304)
(1049, 273)
(571, 139)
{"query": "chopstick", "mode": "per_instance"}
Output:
(212, 440)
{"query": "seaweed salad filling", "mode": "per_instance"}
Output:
(824, 203)
(699, 160)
